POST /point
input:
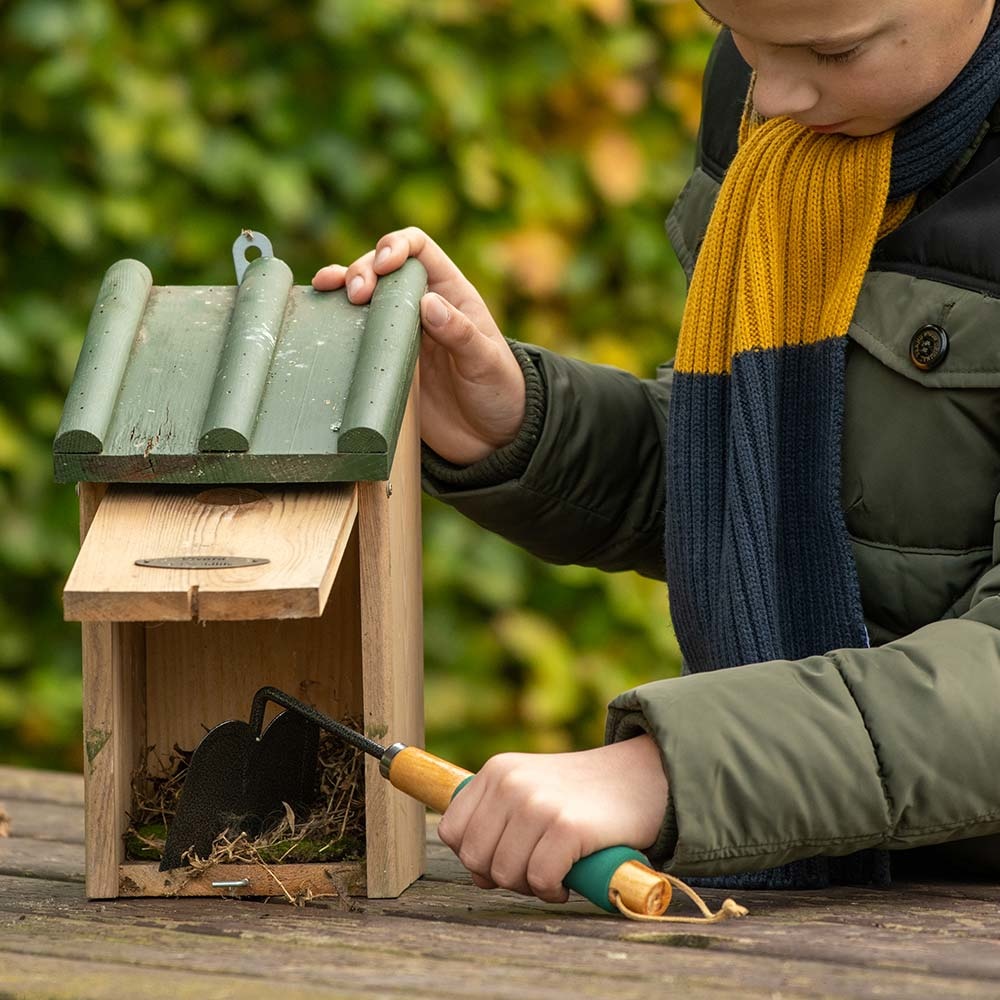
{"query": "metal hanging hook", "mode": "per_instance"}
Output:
(247, 239)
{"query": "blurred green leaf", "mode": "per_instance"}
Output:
(540, 143)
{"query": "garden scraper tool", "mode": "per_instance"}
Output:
(240, 775)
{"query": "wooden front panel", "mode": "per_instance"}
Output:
(201, 674)
(298, 531)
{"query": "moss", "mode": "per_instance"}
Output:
(306, 851)
(146, 843)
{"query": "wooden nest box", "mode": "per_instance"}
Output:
(261, 440)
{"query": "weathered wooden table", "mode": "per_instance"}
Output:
(445, 938)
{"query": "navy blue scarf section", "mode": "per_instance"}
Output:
(759, 562)
(933, 139)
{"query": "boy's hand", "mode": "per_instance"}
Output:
(472, 393)
(525, 819)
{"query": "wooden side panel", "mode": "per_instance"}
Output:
(114, 724)
(392, 631)
(201, 674)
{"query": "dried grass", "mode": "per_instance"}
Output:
(333, 830)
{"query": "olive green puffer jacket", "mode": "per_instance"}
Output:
(896, 746)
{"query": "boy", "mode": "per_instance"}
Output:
(884, 736)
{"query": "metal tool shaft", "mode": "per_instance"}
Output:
(266, 694)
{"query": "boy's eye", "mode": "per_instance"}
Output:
(837, 57)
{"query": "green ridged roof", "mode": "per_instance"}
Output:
(266, 381)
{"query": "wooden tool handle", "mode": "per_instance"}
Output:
(427, 778)
(613, 871)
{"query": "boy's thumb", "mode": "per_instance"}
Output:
(449, 327)
(436, 311)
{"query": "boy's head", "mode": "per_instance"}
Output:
(852, 66)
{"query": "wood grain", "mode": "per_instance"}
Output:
(29, 785)
(301, 530)
(201, 674)
(347, 877)
(369, 954)
(114, 726)
(392, 648)
(425, 777)
(28, 858)
(55, 821)
(445, 938)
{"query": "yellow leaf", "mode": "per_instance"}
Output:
(536, 258)
(616, 164)
(683, 92)
(608, 11)
(626, 94)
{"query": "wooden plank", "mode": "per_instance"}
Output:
(91, 495)
(358, 953)
(33, 976)
(447, 938)
(952, 888)
(54, 821)
(884, 950)
(31, 859)
(302, 531)
(24, 784)
(392, 647)
(961, 942)
(114, 724)
(113, 721)
(289, 881)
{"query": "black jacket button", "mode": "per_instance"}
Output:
(928, 347)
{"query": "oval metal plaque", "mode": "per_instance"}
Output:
(201, 562)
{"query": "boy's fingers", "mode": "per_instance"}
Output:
(360, 279)
(391, 252)
(451, 829)
(479, 841)
(394, 248)
(509, 864)
(329, 278)
(549, 865)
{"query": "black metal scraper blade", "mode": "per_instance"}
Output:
(236, 781)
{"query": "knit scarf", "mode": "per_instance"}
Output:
(759, 562)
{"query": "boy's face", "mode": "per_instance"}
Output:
(856, 67)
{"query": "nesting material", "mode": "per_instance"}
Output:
(333, 830)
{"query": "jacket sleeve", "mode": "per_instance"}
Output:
(891, 747)
(589, 490)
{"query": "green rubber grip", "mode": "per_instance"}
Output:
(591, 876)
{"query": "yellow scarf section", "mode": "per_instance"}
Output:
(788, 243)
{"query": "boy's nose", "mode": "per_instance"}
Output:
(778, 92)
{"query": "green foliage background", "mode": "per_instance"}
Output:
(540, 141)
